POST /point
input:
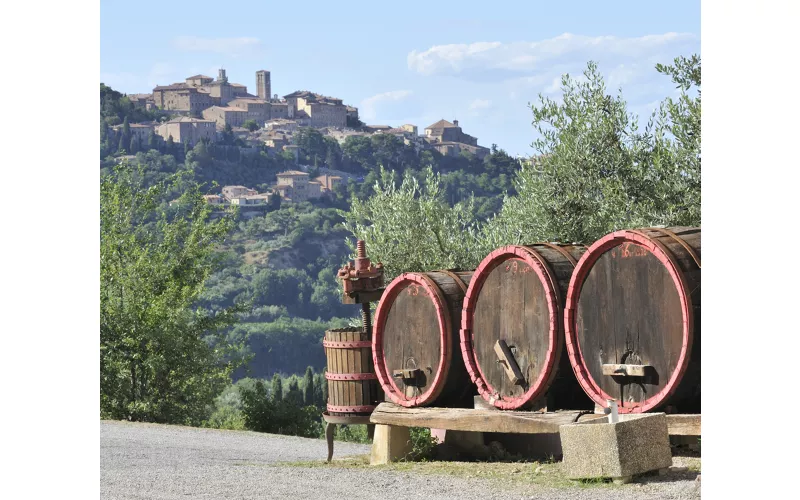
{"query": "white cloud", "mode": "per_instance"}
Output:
(504, 61)
(232, 47)
(369, 107)
(479, 104)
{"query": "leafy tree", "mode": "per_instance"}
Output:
(251, 125)
(597, 171)
(277, 387)
(170, 149)
(227, 137)
(186, 147)
(161, 359)
(308, 387)
(358, 150)
(311, 142)
(412, 228)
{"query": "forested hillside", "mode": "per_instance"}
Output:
(282, 264)
(195, 296)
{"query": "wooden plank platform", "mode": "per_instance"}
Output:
(473, 420)
(520, 422)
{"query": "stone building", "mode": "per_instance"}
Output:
(186, 129)
(213, 199)
(450, 140)
(328, 182)
(352, 113)
(316, 110)
(444, 131)
(294, 185)
(141, 131)
(182, 97)
(229, 192)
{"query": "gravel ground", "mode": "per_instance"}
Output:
(149, 461)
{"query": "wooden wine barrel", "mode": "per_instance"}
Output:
(632, 320)
(512, 337)
(352, 385)
(415, 344)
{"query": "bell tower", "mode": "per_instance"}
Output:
(263, 85)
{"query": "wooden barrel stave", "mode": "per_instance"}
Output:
(416, 329)
(635, 298)
(517, 295)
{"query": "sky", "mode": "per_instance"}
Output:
(479, 62)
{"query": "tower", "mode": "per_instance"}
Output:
(222, 77)
(263, 85)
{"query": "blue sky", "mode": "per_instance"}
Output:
(405, 62)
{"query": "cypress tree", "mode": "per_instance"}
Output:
(308, 387)
(186, 148)
(121, 145)
(152, 142)
(277, 384)
(134, 145)
(293, 395)
(170, 146)
(319, 382)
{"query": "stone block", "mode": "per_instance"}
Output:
(636, 444)
(389, 444)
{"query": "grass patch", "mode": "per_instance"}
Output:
(504, 474)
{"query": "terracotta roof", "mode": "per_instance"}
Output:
(195, 77)
(441, 124)
(292, 173)
(237, 85)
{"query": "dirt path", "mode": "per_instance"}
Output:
(148, 461)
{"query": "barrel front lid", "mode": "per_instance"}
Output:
(528, 260)
(420, 289)
(629, 244)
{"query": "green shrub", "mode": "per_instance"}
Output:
(263, 414)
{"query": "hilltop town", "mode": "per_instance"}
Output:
(204, 109)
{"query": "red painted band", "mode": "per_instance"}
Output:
(576, 358)
(353, 344)
(445, 335)
(350, 376)
(351, 409)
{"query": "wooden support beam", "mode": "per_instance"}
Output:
(509, 363)
(626, 370)
(472, 420)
